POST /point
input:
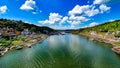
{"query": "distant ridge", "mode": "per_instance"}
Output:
(20, 25)
(105, 27)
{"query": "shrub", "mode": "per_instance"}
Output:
(17, 43)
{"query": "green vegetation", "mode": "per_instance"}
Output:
(108, 32)
(4, 42)
(20, 26)
(20, 37)
(108, 26)
(117, 35)
(14, 41)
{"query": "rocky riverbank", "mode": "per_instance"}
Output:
(100, 38)
(32, 40)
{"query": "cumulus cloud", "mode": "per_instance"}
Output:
(93, 24)
(53, 18)
(29, 5)
(76, 20)
(64, 19)
(3, 9)
(92, 12)
(111, 20)
(100, 1)
(79, 9)
(87, 10)
(63, 27)
(79, 14)
(83, 13)
(104, 8)
(59, 19)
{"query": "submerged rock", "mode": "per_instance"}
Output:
(19, 47)
(116, 49)
(1, 53)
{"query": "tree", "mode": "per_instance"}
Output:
(33, 29)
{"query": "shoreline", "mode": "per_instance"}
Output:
(25, 44)
(114, 47)
(107, 41)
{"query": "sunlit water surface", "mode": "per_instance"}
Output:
(62, 51)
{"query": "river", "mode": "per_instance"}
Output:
(62, 51)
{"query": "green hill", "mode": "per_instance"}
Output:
(108, 26)
(20, 26)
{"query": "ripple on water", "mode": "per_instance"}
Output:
(62, 51)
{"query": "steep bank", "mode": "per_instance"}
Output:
(114, 46)
(108, 32)
(32, 40)
(100, 38)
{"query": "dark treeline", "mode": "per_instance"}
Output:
(20, 26)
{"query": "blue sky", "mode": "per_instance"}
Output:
(61, 14)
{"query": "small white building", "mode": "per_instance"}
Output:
(25, 32)
(92, 32)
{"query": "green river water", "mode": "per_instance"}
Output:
(62, 51)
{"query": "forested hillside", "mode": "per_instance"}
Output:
(108, 26)
(20, 26)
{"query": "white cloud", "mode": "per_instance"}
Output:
(81, 14)
(78, 18)
(62, 27)
(88, 2)
(104, 8)
(3, 9)
(43, 22)
(40, 11)
(93, 24)
(64, 19)
(78, 14)
(79, 9)
(92, 12)
(28, 22)
(73, 23)
(87, 10)
(29, 5)
(84, 27)
(53, 18)
(111, 20)
(100, 1)
(34, 12)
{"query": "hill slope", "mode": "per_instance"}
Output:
(108, 26)
(20, 26)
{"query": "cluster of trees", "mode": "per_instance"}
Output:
(113, 26)
(20, 26)
(108, 26)
(5, 42)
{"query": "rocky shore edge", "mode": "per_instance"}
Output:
(18, 47)
(114, 47)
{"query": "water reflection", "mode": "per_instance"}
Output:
(62, 51)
